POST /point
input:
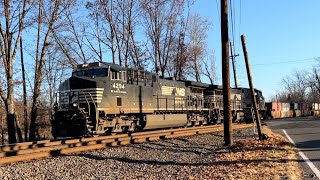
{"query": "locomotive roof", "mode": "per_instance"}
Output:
(214, 86)
(116, 67)
(240, 88)
(95, 65)
(196, 84)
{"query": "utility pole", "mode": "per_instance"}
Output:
(227, 120)
(253, 98)
(233, 66)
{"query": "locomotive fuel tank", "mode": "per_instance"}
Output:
(157, 121)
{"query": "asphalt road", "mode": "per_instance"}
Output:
(305, 132)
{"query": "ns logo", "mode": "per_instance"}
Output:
(180, 92)
(173, 91)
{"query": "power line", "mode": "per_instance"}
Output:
(234, 26)
(218, 11)
(283, 62)
(232, 21)
(239, 25)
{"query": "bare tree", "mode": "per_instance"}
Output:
(54, 73)
(48, 14)
(13, 15)
(71, 37)
(280, 96)
(113, 27)
(160, 21)
(197, 38)
(106, 15)
(314, 79)
(210, 67)
(296, 86)
(180, 61)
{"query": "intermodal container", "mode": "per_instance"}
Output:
(275, 114)
(305, 106)
(315, 106)
(285, 106)
(291, 106)
(283, 114)
(305, 109)
(273, 106)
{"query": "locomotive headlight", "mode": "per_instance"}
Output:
(75, 104)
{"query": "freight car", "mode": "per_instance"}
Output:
(275, 110)
(104, 98)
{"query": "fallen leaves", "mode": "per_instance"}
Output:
(274, 158)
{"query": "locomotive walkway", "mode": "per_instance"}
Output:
(41, 149)
(304, 132)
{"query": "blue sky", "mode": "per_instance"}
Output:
(282, 36)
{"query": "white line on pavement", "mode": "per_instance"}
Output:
(304, 157)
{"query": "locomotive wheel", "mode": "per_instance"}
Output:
(205, 122)
(133, 127)
(125, 129)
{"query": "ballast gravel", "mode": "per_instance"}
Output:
(178, 158)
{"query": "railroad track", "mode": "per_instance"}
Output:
(42, 149)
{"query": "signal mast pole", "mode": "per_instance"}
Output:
(227, 120)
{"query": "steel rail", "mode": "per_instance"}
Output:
(41, 149)
(46, 143)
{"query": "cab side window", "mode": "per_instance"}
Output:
(114, 75)
(121, 75)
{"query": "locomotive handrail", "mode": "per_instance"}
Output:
(85, 96)
(95, 106)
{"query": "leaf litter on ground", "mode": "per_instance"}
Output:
(273, 158)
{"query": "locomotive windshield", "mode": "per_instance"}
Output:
(92, 72)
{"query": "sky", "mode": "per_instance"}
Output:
(281, 37)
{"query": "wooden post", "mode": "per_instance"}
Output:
(253, 98)
(233, 67)
(227, 120)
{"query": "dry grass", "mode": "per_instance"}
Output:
(274, 158)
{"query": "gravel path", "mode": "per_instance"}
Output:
(165, 159)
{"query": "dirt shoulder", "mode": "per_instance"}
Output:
(274, 158)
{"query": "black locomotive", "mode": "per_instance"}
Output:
(104, 98)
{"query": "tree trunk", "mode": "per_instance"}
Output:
(10, 104)
(25, 110)
(19, 132)
(196, 68)
(11, 128)
(34, 114)
(34, 109)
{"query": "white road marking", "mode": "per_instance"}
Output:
(304, 157)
